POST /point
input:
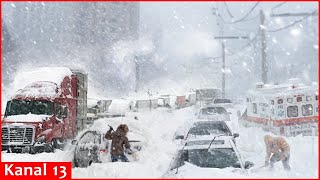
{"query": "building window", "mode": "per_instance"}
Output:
(280, 101)
(299, 99)
(254, 108)
(307, 110)
(308, 98)
(292, 111)
(289, 100)
(272, 102)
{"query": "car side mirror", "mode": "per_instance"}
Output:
(248, 164)
(179, 137)
(235, 135)
(74, 142)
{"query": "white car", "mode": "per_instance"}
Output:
(91, 146)
(214, 113)
(199, 128)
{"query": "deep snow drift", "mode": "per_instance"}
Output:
(158, 128)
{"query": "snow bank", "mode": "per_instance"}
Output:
(158, 128)
(51, 74)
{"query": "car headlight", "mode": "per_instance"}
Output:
(41, 139)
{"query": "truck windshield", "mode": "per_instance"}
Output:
(20, 107)
(214, 158)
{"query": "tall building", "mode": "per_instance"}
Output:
(104, 23)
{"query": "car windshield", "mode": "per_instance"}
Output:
(213, 110)
(207, 128)
(214, 158)
(21, 107)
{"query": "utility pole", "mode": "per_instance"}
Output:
(136, 59)
(264, 70)
(223, 70)
(222, 38)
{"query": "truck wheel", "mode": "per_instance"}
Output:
(54, 144)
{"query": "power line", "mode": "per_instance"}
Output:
(241, 49)
(228, 10)
(294, 23)
(277, 6)
(245, 16)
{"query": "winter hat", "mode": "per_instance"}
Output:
(268, 138)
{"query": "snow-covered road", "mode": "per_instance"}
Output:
(159, 127)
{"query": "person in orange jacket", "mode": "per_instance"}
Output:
(277, 149)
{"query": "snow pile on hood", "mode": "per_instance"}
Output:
(51, 74)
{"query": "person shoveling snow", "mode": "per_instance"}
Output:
(119, 142)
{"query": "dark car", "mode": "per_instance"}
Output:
(92, 147)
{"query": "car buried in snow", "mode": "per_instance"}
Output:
(217, 152)
(91, 146)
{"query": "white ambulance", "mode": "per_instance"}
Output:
(287, 109)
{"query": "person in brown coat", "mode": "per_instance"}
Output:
(119, 141)
(277, 149)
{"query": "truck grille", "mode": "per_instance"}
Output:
(17, 135)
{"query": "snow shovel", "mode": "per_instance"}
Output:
(133, 154)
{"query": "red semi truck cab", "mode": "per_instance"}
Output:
(50, 109)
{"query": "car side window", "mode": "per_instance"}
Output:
(97, 139)
(87, 138)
